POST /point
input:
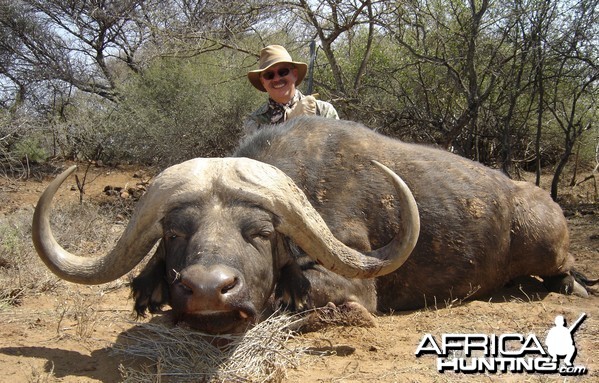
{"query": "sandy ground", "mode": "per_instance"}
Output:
(68, 334)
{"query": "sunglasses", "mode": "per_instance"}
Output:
(282, 72)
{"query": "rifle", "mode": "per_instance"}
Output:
(577, 323)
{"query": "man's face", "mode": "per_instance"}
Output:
(279, 81)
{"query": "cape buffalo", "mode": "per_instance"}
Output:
(303, 214)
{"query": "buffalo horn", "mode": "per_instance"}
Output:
(244, 179)
(301, 222)
(137, 240)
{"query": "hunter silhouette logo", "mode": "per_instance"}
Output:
(560, 340)
(516, 353)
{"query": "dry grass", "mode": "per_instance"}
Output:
(80, 311)
(262, 354)
(39, 376)
(84, 229)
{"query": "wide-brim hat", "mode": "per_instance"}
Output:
(271, 55)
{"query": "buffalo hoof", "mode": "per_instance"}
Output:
(575, 284)
(348, 314)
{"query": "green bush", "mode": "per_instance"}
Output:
(30, 149)
(180, 109)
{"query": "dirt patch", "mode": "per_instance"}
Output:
(67, 334)
(23, 193)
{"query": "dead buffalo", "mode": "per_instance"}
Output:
(301, 215)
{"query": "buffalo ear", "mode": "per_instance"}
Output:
(149, 288)
(292, 290)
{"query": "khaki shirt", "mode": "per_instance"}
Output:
(307, 105)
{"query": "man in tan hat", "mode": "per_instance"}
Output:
(279, 75)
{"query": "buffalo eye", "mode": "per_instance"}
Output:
(259, 232)
(171, 235)
(263, 234)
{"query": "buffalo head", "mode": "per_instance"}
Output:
(224, 227)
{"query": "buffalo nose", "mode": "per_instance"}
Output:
(211, 287)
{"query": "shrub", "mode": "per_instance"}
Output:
(178, 110)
